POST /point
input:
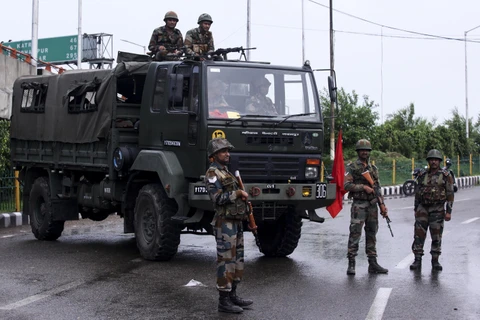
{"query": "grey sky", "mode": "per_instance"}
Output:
(429, 73)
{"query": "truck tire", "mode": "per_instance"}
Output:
(156, 235)
(41, 219)
(409, 187)
(280, 239)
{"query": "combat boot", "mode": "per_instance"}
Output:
(351, 266)
(226, 305)
(374, 267)
(237, 300)
(435, 264)
(417, 264)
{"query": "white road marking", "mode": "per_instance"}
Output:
(411, 207)
(405, 262)
(470, 220)
(379, 303)
(41, 296)
(8, 236)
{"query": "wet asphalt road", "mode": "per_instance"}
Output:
(94, 272)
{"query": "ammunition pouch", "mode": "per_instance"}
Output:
(432, 195)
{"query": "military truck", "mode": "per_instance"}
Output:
(133, 141)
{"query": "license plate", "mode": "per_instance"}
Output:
(199, 190)
(321, 191)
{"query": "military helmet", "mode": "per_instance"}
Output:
(261, 82)
(218, 144)
(170, 15)
(205, 17)
(448, 162)
(434, 154)
(363, 144)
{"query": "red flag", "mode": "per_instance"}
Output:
(338, 173)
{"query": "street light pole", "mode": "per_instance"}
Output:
(139, 45)
(466, 78)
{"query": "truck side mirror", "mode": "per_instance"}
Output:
(332, 89)
(176, 88)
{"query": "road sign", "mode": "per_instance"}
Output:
(54, 50)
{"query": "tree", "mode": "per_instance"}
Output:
(357, 118)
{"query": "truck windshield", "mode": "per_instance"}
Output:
(274, 93)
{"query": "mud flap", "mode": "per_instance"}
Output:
(312, 215)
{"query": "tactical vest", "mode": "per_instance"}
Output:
(168, 40)
(356, 171)
(200, 41)
(433, 189)
(233, 211)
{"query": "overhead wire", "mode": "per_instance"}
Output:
(394, 28)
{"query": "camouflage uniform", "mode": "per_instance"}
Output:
(230, 212)
(363, 211)
(171, 40)
(198, 42)
(434, 190)
(260, 104)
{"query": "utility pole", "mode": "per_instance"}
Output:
(466, 80)
(303, 33)
(80, 37)
(248, 30)
(34, 52)
(332, 104)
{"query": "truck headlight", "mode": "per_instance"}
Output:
(311, 172)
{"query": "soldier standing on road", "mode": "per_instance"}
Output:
(230, 207)
(166, 39)
(433, 205)
(199, 41)
(363, 211)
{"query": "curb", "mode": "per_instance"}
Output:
(13, 219)
(397, 190)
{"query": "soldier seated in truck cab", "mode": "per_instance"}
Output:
(259, 103)
(218, 107)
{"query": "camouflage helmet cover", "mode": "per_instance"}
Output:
(218, 144)
(205, 17)
(170, 15)
(363, 144)
(434, 154)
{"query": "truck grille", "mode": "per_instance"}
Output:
(263, 167)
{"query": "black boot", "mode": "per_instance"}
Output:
(417, 264)
(435, 264)
(351, 266)
(237, 300)
(226, 305)
(374, 267)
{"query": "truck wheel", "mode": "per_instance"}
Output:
(280, 238)
(156, 234)
(409, 187)
(41, 219)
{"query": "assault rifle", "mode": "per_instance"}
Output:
(378, 199)
(251, 219)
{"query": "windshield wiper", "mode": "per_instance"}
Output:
(294, 115)
(250, 116)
